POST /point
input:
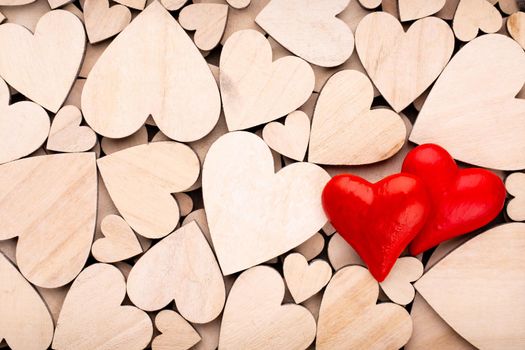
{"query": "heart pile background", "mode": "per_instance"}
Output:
(162, 163)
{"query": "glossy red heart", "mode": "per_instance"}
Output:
(378, 220)
(463, 200)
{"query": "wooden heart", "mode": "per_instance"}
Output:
(103, 21)
(478, 289)
(208, 21)
(290, 139)
(487, 72)
(255, 319)
(177, 333)
(396, 61)
(397, 285)
(26, 322)
(50, 203)
(515, 185)
(472, 15)
(92, 316)
(66, 134)
(181, 267)
(140, 181)
(516, 27)
(152, 68)
(43, 66)
(119, 242)
(254, 214)
(344, 129)
(256, 91)
(303, 279)
(350, 319)
(312, 247)
(238, 4)
(23, 127)
(414, 9)
(310, 29)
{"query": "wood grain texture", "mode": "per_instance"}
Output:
(410, 10)
(340, 253)
(303, 279)
(140, 137)
(291, 138)
(119, 242)
(134, 4)
(312, 247)
(208, 21)
(26, 15)
(177, 333)
(398, 284)
(238, 4)
(516, 27)
(474, 15)
(66, 134)
(515, 184)
(103, 21)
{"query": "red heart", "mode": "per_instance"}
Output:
(379, 220)
(463, 200)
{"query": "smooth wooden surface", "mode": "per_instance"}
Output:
(516, 27)
(66, 134)
(103, 21)
(140, 137)
(410, 10)
(398, 284)
(177, 333)
(340, 253)
(312, 247)
(135, 4)
(208, 21)
(238, 4)
(291, 138)
(515, 184)
(369, 4)
(474, 15)
(119, 242)
(303, 279)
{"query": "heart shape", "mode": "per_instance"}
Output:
(27, 327)
(472, 15)
(254, 214)
(515, 184)
(119, 242)
(310, 29)
(92, 315)
(410, 10)
(23, 126)
(478, 288)
(462, 200)
(487, 73)
(50, 203)
(396, 61)
(43, 66)
(177, 333)
(140, 181)
(166, 78)
(255, 319)
(397, 285)
(208, 21)
(344, 129)
(378, 220)
(103, 21)
(66, 134)
(290, 139)
(256, 90)
(181, 267)
(350, 319)
(516, 27)
(303, 279)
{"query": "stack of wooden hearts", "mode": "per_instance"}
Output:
(162, 165)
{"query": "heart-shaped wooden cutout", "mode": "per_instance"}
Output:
(350, 319)
(254, 214)
(478, 289)
(410, 10)
(397, 285)
(181, 267)
(43, 66)
(290, 139)
(303, 279)
(140, 181)
(344, 129)
(103, 21)
(208, 21)
(92, 316)
(515, 184)
(516, 27)
(119, 242)
(472, 15)
(487, 73)
(310, 29)
(66, 134)
(152, 68)
(255, 319)
(50, 203)
(256, 91)
(177, 333)
(24, 126)
(238, 4)
(26, 322)
(400, 66)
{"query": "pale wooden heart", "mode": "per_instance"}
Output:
(478, 289)
(403, 64)
(256, 91)
(26, 322)
(516, 27)
(410, 10)
(290, 139)
(50, 203)
(177, 333)
(350, 319)
(66, 134)
(344, 129)
(92, 316)
(43, 66)
(103, 21)
(310, 29)
(312, 247)
(208, 21)
(181, 267)
(24, 127)
(370, 4)
(472, 15)
(255, 319)
(253, 213)
(515, 184)
(119, 242)
(303, 279)
(397, 285)
(487, 73)
(140, 181)
(152, 68)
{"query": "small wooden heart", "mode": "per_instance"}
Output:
(208, 21)
(66, 134)
(397, 285)
(410, 10)
(303, 279)
(103, 21)
(290, 139)
(515, 184)
(177, 333)
(472, 15)
(120, 242)
(516, 27)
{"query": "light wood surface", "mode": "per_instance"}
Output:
(291, 138)
(238, 4)
(177, 333)
(474, 15)
(208, 21)
(66, 134)
(516, 27)
(134, 4)
(312, 247)
(103, 21)
(140, 137)
(209, 333)
(58, 3)
(340, 253)
(370, 4)
(410, 10)
(508, 6)
(303, 279)
(185, 203)
(26, 15)
(398, 284)
(515, 184)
